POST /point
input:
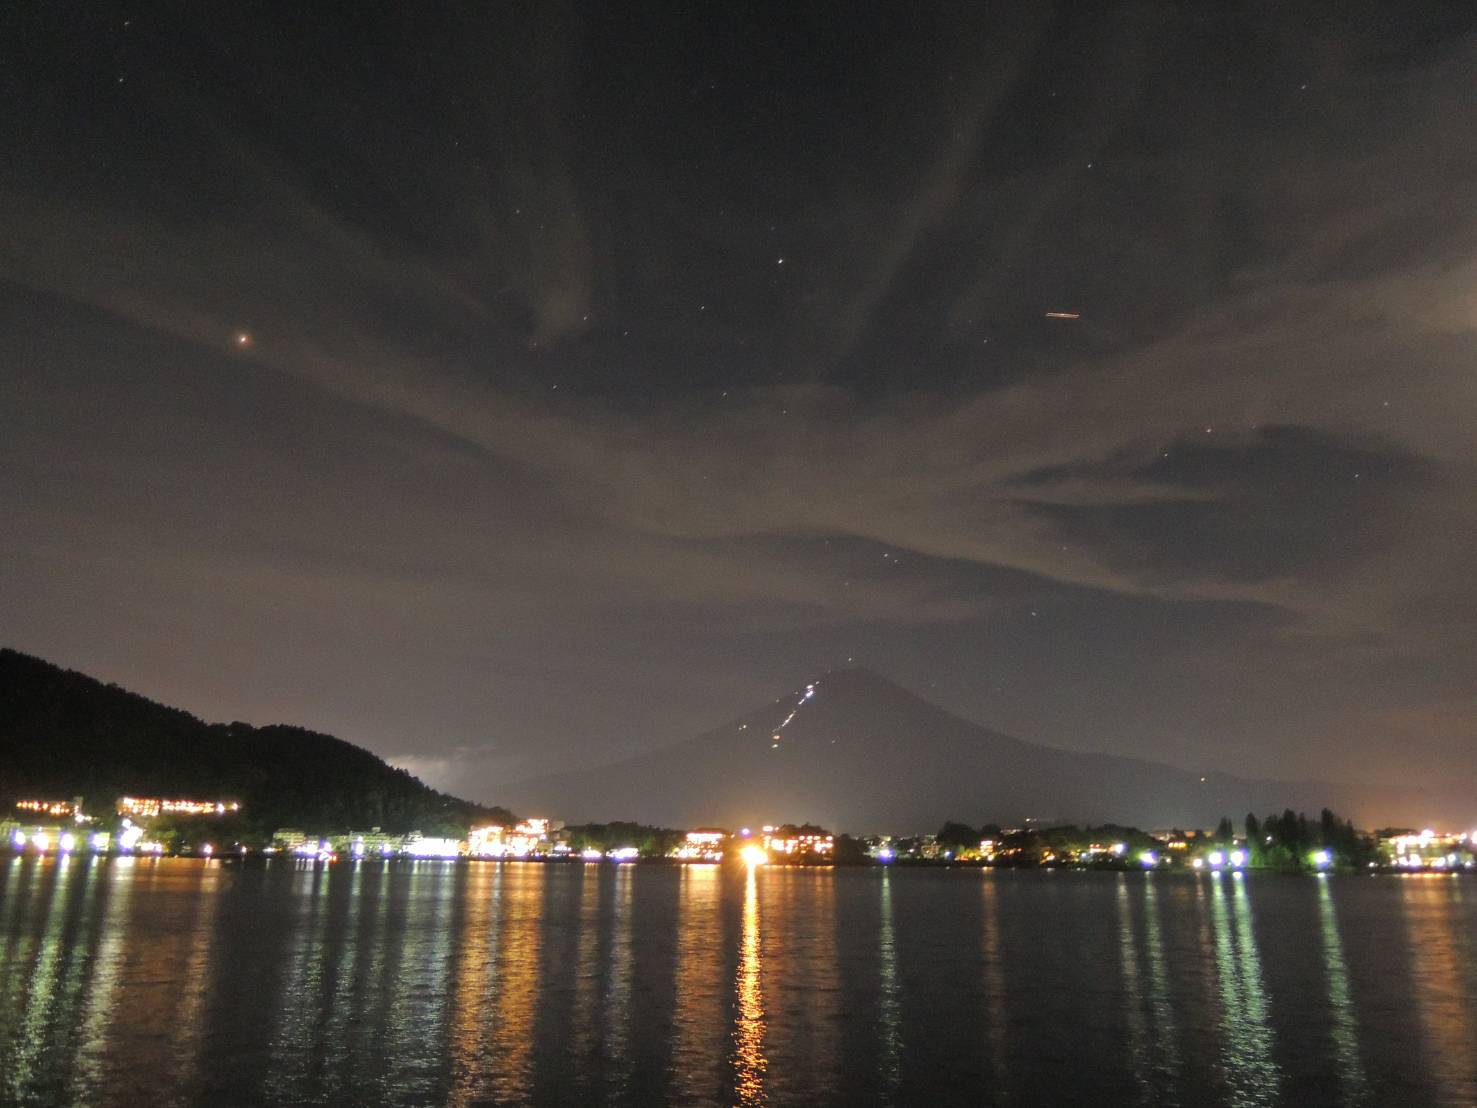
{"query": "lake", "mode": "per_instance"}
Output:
(177, 981)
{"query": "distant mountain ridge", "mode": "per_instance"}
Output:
(64, 734)
(858, 753)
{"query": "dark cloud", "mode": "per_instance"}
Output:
(608, 371)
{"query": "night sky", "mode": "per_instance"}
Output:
(504, 388)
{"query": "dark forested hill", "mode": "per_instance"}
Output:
(65, 734)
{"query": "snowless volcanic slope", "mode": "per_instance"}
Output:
(857, 753)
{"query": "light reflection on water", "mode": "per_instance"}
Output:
(997, 1024)
(699, 1029)
(1163, 1031)
(468, 1045)
(889, 1058)
(1441, 953)
(1354, 1087)
(186, 982)
(1139, 1042)
(1248, 1065)
(749, 1064)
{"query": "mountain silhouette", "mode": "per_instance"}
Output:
(858, 753)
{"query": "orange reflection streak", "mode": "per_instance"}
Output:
(474, 962)
(749, 1064)
(1437, 963)
(518, 978)
(697, 1025)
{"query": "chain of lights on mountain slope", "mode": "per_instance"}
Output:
(775, 737)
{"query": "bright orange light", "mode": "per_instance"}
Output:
(754, 855)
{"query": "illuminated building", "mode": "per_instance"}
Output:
(314, 848)
(703, 845)
(288, 838)
(57, 809)
(793, 841)
(487, 842)
(359, 844)
(152, 807)
(531, 837)
(1419, 850)
(420, 846)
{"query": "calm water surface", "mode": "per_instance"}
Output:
(187, 982)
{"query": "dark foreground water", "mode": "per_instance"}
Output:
(186, 982)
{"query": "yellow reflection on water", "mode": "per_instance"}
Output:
(519, 976)
(1248, 1069)
(698, 1028)
(1352, 1082)
(749, 1063)
(474, 953)
(1438, 954)
(889, 1061)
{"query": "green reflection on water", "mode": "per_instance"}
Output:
(1352, 1081)
(44, 977)
(1249, 1069)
